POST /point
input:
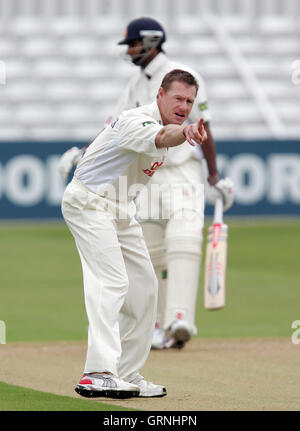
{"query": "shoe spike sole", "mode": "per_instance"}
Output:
(87, 393)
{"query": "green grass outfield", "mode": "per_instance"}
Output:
(42, 295)
(21, 399)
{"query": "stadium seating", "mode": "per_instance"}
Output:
(64, 72)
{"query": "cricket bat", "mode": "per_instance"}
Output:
(215, 261)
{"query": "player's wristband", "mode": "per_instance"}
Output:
(213, 179)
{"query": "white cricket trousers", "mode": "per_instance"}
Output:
(120, 286)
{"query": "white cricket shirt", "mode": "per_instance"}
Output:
(143, 88)
(123, 155)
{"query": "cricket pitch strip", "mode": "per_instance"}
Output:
(208, 374)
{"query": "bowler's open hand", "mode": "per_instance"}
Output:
(195, 133)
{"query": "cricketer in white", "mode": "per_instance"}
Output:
(120, 285)
(175, 247)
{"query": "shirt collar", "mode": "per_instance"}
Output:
(155, 65)
(156, 113)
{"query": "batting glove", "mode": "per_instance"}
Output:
(69, 159)
(224, 189)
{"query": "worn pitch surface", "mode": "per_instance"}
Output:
(226, 374)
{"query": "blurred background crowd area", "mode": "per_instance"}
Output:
(62, 71)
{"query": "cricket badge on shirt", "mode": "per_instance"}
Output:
(203, 106)
(148, 123)
(150, 171)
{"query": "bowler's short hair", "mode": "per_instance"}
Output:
(181, 76)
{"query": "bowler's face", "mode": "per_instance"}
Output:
(176, 103)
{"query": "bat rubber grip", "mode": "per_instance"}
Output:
(218, 212)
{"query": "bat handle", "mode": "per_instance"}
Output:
(218, 212)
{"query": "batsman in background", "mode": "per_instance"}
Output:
(175, 246)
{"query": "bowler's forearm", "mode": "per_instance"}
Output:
(170, 136)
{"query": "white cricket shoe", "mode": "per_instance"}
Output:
(93, 385)
(148, 389)
(181, 332)
(158, 340)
